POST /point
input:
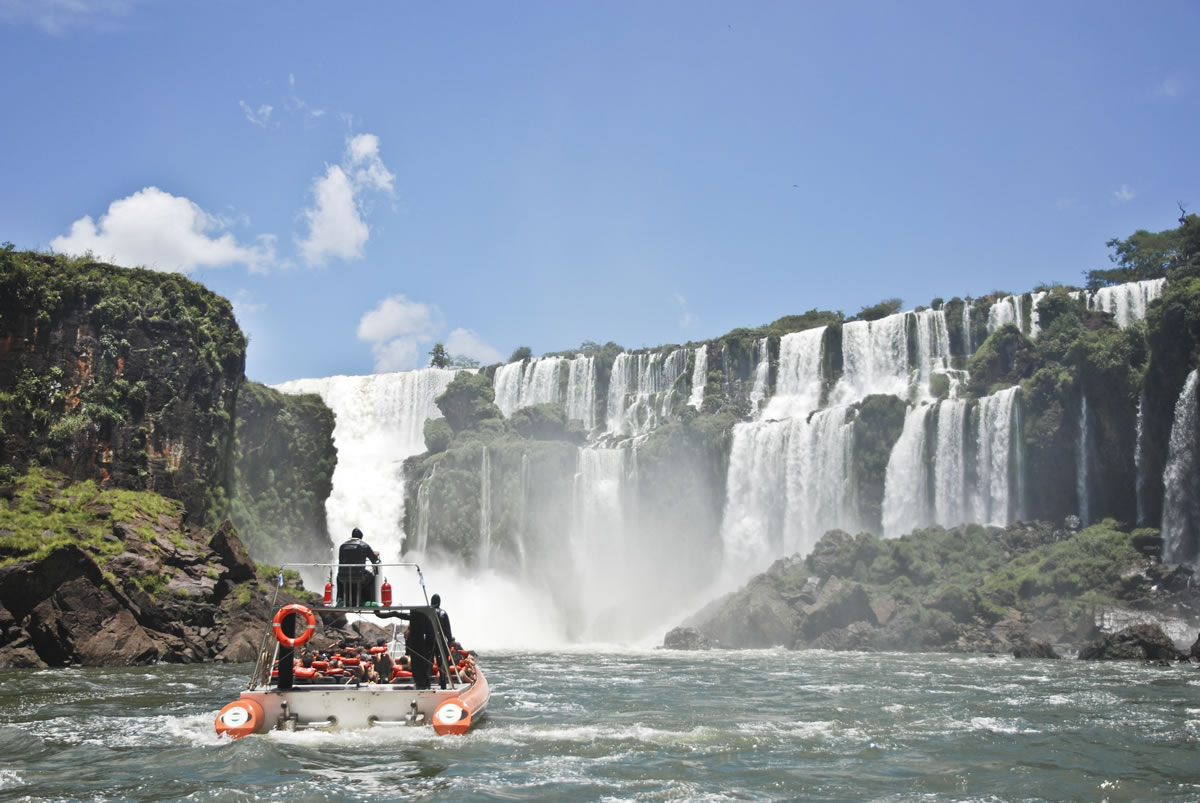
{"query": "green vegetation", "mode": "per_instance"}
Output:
(439, 357)
(45, 511)
(467, 401)
(1152, 255)
(889, 306)
(283, 468)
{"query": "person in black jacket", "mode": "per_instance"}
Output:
(443, 617)
(356, 584)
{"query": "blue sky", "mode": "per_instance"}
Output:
(363, 180)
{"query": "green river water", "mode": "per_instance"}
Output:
(655, 725)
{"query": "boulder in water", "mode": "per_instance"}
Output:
(1136, 642)
(686, 638)
(1032, 648)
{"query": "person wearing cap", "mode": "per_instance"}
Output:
(356, 584)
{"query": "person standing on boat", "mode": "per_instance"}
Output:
(356, 584)
(443, 617)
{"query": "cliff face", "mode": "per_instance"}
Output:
(283, 474)
(125, 376)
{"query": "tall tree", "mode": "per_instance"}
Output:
(439, 357)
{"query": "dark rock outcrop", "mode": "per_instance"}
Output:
(1138, 642)
(1034, 649)
(686, 638)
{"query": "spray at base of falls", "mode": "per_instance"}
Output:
(1181, 481)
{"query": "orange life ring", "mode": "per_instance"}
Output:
(239, 718)
(310, 627)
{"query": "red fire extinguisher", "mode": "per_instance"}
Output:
(385, 591)
(328, 595)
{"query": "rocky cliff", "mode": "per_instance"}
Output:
(123, 376)
(111, 577)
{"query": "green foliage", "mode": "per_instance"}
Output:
(520, 353)
(880, 422)
(889, 306)
(463, 361)
(1151, 255)
(1003, 360)
(468, 400)
(437, 435)
(283, 472)
(47, 512)
(438, 356)
(545, 422)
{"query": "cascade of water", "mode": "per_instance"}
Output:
(798, 386)
(379, 421)
(507, 386)
(761, 372)
(1004, 311)
(950, 464)
(1139, 458)
(527, 382)
(933, 350)
(821, 493)
(641, 390)
(422, 537)
(1081, 464)
(1035, 322)
(755, 490)
(581, 391)
(874, 359)
(906, 483)
(599, 532)
(968, 339)
(1127, 302)
(485, 511)
(992, 498)
(1181, 482)
(699, 377)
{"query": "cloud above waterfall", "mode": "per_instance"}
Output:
(397, 330)
(467, 343)
(686, 318)
(1123, 195)
(336, 220)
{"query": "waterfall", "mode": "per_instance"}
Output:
(874, 359)
(798, 384)
(933, 350)
(641, 390)
(581, 391)
(789, 481)
(992, 499)
(699, 377)
(485, 511)
(1081, 464)
(950, 464)
(1181, 482)
(1035, 321)
(906, 485)
(761, 372)
(422, 536)
(1004, 311)
(1127, 302)
(379, 421)
(598, 538)
(523, 513)
(1139, 458)
(968, 339)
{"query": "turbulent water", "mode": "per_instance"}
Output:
(617, 725)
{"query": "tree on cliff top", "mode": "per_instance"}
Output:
(439, 357)
(1151, 255)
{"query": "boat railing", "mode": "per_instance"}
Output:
(344, 599)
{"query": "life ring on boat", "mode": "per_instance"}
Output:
(452, 716)
(239, 718)
(310, 626)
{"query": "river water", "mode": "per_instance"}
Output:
(653, 725)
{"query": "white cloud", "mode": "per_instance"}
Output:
(1169, 88)
(467, 343)
(336, 227)
(1064, 203)
(260, 116)
(244, 304)
(57, 17)
(686, 319)
(1124, 194)
(397, 329)
(163, 232)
